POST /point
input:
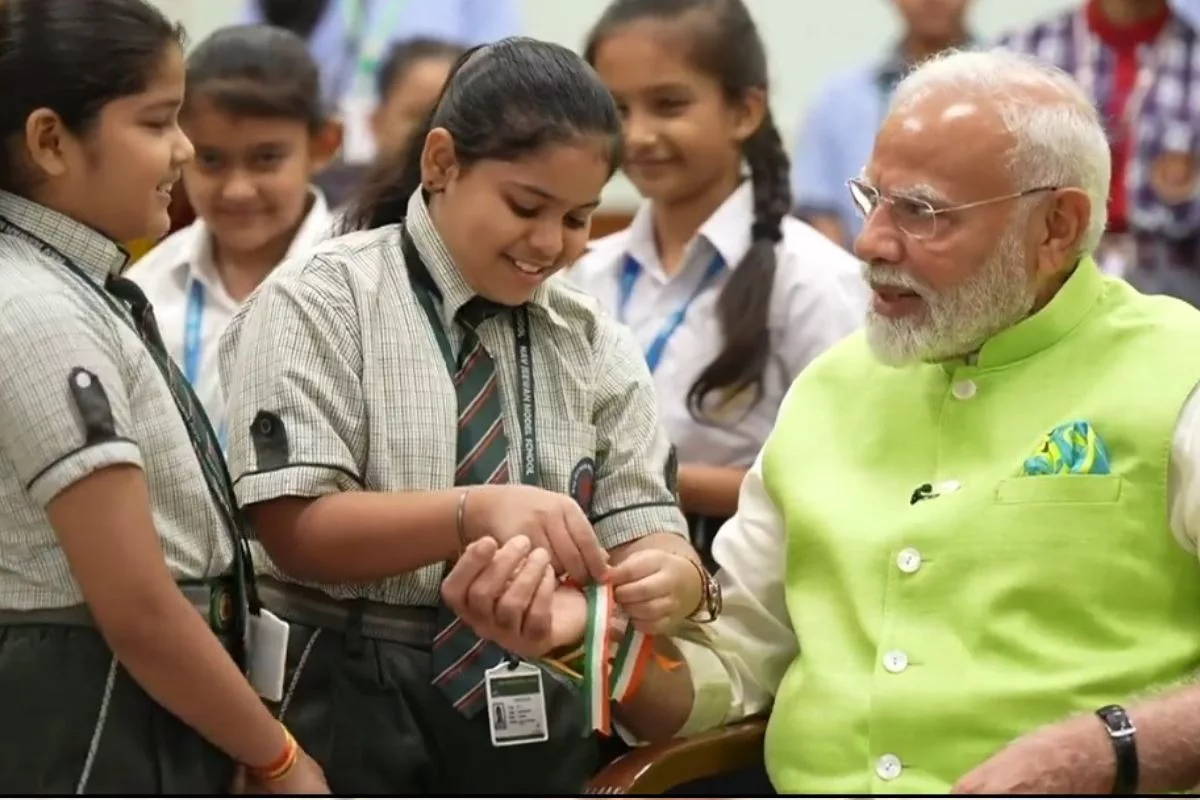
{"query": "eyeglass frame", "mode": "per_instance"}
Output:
(867, 189)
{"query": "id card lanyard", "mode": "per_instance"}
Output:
(366, 40)
(193, 345)
(631, 270)
(422, 283)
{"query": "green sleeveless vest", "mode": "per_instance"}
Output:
(933, 633)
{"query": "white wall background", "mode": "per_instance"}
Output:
(806, 39)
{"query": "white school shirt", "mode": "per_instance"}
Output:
(818, 298)
(167, 274)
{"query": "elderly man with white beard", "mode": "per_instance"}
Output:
(966, 559)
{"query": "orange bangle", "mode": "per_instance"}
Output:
(283, 764)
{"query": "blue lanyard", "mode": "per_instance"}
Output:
(193, 345)
(630, 271)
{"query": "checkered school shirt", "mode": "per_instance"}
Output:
(337, 346)
(1169, 118)
(53, 321)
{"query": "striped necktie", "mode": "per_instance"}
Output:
(460, 658)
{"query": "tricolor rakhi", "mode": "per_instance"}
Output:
(596, 665)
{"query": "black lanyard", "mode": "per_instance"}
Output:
(223, 496)
(429, 295)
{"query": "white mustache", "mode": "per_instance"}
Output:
(893, 279)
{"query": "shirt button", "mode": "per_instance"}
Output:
(964, 390)
(888, 767)
(908, 560)
(895, 661)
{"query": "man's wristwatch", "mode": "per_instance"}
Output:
(1120, 731)
(710, 604)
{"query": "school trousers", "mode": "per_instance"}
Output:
(73, 721)
(359, 699)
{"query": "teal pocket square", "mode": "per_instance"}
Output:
(1073, 448)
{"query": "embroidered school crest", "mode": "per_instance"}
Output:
(583, 484)
(671, 473)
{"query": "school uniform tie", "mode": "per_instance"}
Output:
(204, 439)
(460, 658)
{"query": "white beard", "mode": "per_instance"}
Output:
(958, 321)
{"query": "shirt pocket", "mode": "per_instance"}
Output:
(1059, 490)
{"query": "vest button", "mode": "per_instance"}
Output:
(895, 661)
(963, 390)
(909, 560)
(888, 767)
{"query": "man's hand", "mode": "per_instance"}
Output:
(510, 595)
(656, 589)
(551, 521)
(1071, 757)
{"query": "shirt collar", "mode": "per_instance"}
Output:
(726, 233)
(1124, 35)
(195, 256)
(98, 256)
(453, 288)
(1066, 310)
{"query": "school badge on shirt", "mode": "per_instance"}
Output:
(582, 486)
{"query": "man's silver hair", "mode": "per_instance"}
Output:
(1060, 138)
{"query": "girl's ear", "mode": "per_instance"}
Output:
(325, 144)
(750, 112)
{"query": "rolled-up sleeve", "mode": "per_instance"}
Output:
(635, 464)
(64, 402)
(291, 367)
(738, 662)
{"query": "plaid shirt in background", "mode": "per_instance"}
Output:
(1168, 121)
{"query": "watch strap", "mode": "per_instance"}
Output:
(1121, 732)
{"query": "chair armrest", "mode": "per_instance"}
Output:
(658, 768)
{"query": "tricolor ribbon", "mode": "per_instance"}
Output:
(612, 670)
(595, 657)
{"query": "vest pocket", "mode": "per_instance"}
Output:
(1055, 489)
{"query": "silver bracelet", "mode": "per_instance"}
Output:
(462, 522)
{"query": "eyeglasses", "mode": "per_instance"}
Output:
(917, 217)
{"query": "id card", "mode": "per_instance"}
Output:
(516, 704)
(266, 654)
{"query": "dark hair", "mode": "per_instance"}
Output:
(72, 58)
(726, 45)
(502, 101)
(257, 71)
(406, 54)
(301, 17)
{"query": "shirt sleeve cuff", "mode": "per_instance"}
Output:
(712, 691)
(308, 480)
(633, 522)
(78, 465)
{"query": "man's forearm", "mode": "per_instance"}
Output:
(1168, 740)
(663, 702)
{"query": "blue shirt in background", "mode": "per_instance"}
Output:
(336, 43)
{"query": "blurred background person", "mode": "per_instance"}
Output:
(837, 134)
(728, 297)
(409, 82)
(1139, 61)
(253, 112)
(350, 38)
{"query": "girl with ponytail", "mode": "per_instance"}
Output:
(729, 297)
